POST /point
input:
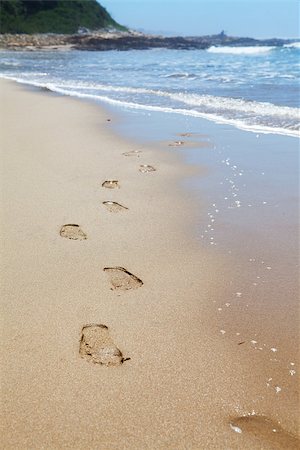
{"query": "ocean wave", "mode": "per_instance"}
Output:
(218, 78)
(181, 75)
(237, 105)
(204, 102)
(247, 115)
(240, 123)
(292, 45)
(103, 87)
(288, 77)
(240, 50)
(10, 63)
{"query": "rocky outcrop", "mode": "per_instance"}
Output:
(130, 42)
(105, 40)
(33, 41)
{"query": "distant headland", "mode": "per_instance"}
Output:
(126, 40)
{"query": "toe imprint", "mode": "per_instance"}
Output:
(72, 231)
(121, 279)
(97, 346)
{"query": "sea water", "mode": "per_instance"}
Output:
(252, 88)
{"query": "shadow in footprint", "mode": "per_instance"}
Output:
(114, 207)
(111, 184)
(266, 430)
(97, 346)
(72, 231)
(121, 279)
(144, 168)
(132, 153)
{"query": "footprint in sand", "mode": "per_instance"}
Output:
(265, 430)
(114, 207)
(121, 279)
(132, 153)
(97, 346)
(111, 184)
(72, 231)
(145, 168)
(176, 144)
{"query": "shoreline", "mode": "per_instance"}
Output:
(182, 385)
(111, 104)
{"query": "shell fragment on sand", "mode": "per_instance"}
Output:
(235, 428)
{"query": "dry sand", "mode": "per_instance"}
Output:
(157, 373)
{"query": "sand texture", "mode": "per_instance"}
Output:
(109, 339)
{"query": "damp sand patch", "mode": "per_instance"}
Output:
(266, 430)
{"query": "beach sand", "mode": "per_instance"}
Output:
(130, 357)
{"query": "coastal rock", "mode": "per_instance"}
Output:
(125, 40)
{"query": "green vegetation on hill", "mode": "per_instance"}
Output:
(53, 16)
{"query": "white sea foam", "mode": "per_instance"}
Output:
(293, 45)
(236, 105)
(237, 112)
(240, 50)
(104, 87)
(286, 76)
(181, 75)
(11, 63)
(203, 101)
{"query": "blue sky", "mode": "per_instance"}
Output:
(253, 18)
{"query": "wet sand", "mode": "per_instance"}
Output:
(249, 197)
(109, 324)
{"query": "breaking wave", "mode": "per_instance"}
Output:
(292, 45)
(240, 50)
(249, 115)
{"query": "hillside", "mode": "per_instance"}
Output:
(53, 16)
